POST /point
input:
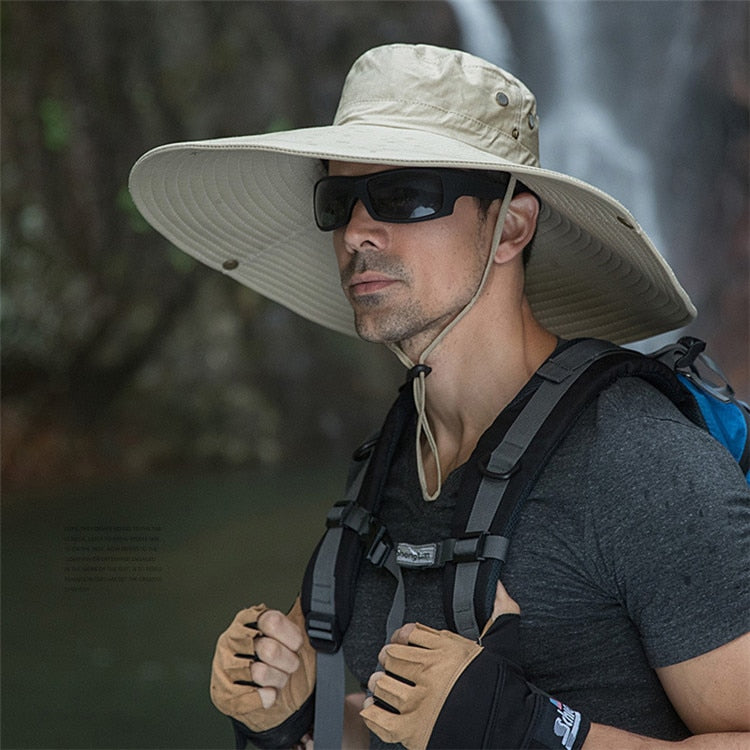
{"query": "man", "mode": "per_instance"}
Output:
(458, 251)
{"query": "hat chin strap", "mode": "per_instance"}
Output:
(419, 370)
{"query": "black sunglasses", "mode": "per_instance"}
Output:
(400, 196)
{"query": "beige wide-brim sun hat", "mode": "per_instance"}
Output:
(244, 206)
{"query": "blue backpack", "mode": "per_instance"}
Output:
(725, 416)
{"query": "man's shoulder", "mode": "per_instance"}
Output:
(633, 424)
(633, 398)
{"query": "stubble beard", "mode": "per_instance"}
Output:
(388, 326)
(406, 324)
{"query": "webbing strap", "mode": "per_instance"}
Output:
(321, 619)
(504, 460)
(330, 675)
(398, 605)
(558, 373)
(463, 599)
(329, 700)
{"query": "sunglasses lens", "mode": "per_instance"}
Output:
(401, 195)
(405, 195)
(334, 199)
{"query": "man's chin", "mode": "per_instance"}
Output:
(375, 333)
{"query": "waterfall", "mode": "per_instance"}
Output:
(578, 134)
(484, 33)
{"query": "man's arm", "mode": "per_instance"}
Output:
(609, 738)
(711, 693)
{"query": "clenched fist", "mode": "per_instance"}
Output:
(263, 675)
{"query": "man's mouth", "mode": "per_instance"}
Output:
(368, 282)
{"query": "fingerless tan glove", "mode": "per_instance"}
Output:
(232, 689)
(442, 690)
(427, 676)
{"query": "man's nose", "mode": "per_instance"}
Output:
(363, 229)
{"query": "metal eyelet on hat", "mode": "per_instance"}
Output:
(515, 132)
(230, 265)
(532, 120)
(502, 99)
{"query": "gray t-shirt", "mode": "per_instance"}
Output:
(631, 554)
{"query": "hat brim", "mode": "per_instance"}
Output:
(244, 207)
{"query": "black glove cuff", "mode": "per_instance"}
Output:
(556, 726)
(506, 710)
(285, 735)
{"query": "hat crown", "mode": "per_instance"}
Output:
(445, 92)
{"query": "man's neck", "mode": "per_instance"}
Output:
(476, 372)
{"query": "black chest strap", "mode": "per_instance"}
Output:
(503, 476)
(496, 508)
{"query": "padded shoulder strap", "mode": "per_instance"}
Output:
(502, 480)
(328, 588)
(352, 530)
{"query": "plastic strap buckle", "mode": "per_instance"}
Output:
(350, 516)
(469, 549)
(379, 547)
(321, 626)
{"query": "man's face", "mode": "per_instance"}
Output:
(406, 282)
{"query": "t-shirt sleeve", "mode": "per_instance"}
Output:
(674, 535)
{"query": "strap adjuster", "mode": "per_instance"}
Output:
(352, 516)
(321, 626)
(469, 549)
(379, 548)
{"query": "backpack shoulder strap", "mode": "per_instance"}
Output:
(353, 532)
(502, 480)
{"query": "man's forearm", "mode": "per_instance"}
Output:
(601, 737)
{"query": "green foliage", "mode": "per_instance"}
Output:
(57, 128)
(279, 123)
(180, 262)
(133, 216)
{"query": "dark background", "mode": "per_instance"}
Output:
(151, 405)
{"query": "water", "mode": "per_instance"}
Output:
(125, 664)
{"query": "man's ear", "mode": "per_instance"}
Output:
(519, 227)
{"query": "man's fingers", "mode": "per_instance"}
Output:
(402, 634)
(265, 675)
(278, 626)
(267, 696)
(389, 691)
(266, 680)
(503, 604)
(272, 652)
(373, 681)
